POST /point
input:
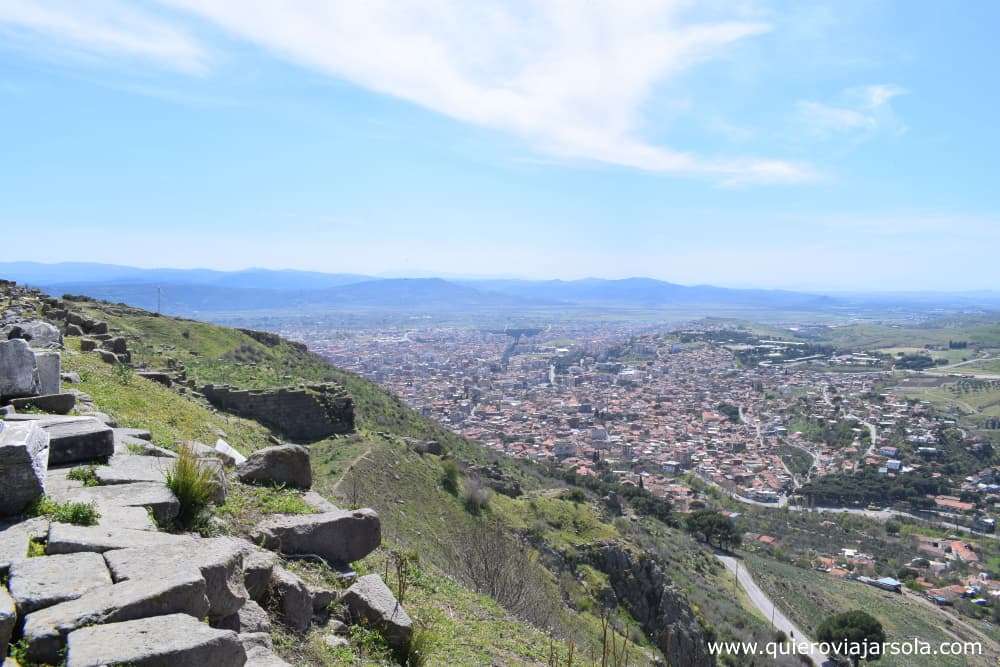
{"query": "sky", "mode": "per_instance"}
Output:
(807, 145)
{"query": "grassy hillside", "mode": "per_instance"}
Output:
(376, 468)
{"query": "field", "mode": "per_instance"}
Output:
(974, 399)
(979, 332)
(951, 356)
(808, 597)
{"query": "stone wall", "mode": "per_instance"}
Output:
(302, 414)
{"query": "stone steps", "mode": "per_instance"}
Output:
(177, 640)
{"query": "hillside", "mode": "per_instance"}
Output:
(567, 530)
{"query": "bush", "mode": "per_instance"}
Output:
(193, 485)
(85, 474)
(80, 514)
(477, 497)
(450, 476)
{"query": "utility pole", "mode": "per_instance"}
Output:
(157, 299)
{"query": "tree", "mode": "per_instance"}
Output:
(713, 528)
(853, 635)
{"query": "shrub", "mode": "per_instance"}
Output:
(193, 485)
(80, 514)
(449, 478)
(477, 497)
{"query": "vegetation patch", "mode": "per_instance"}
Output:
(80, 514)
(193, 484)
(85, 474)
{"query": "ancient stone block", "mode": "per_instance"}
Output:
(284, 464)
(219, 560)
(369, 599)
(18, 369)
(24, 455)
(41, 582)
(176, 593)
(177, 640)
(59, 404)
(339, 537)
(49, 364)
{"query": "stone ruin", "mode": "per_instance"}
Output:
(302, 414)
(126, 590)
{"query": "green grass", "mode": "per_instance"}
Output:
(210, 353)
(80, 514)
(193, 484)
(247, 505)
(561, 523)
(168, 416)
(85, 474)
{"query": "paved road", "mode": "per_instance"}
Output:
(768, 608)
(885, 515)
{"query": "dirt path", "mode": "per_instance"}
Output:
(347, 470)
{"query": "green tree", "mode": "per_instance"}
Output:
(853, 635)
(713, 528)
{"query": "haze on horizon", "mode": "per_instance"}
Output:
(814, 146)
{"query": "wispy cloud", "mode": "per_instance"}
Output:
(99, 28)
(570, 78)
(859, 113)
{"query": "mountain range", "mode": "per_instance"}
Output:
(190, 291)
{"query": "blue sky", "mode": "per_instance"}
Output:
(840, 145)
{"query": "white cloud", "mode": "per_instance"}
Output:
(99, 28)
(569, 77)
(860, 112)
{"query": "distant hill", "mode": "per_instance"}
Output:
(650, 292)
(65, 273)
(390, 294)
(194, 291)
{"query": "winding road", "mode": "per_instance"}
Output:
(769, 609)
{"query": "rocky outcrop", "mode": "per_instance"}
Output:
(663, 612)
(271, 340)
(302, 414)
(495, 478)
